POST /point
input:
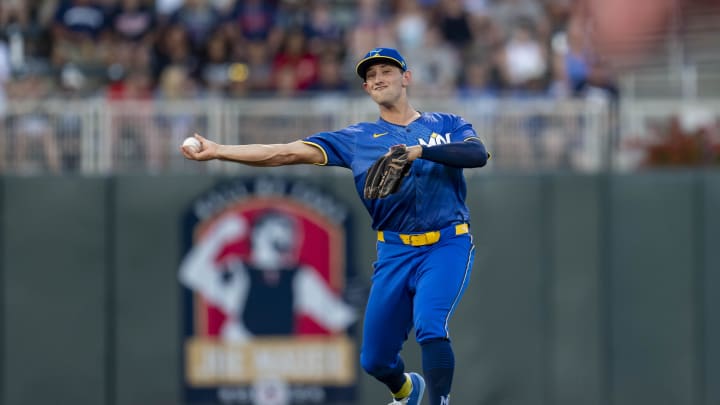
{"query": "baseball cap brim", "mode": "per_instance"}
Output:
(362, 66)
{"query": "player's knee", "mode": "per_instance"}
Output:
(373, 365)
(429, 331)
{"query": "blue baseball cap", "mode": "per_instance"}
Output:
(380, 55)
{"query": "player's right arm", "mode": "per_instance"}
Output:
(264, 155)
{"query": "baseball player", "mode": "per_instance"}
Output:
(408, 170)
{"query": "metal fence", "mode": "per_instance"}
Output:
(97, 136)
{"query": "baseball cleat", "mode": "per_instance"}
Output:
(418, 389)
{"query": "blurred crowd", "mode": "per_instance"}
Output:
(184, 49)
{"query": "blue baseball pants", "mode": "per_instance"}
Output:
(413, 286)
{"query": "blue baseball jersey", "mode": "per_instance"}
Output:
(432, 196)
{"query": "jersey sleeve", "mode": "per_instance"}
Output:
(338, 147)
(462, 130)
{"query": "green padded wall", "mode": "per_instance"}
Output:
(653, 240)
(586, 289)
(710, 285)
(54, 262)
(500, 330)
(147, 222)
(577, 366)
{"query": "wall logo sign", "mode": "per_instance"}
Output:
(264, 272)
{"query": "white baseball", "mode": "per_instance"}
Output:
(192, 144)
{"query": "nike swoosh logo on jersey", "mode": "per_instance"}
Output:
(379, 135)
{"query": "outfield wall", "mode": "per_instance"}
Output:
(587, 289)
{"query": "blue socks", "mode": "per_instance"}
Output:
(438, 366)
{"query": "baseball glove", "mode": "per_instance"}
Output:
(385, 176)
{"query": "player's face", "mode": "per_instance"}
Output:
(385, 83)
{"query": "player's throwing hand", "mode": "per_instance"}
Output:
(207, 151)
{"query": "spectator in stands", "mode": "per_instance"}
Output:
(557, 14)
(165, 8)
(179, 32)
(330, 78)
(125, 56)
(36, 148)
(523, 62)
(133, 24)
(199, 19)
(132, 136)
(255, 20)
(478, 8)
(486, 33)
(225, 8)
(215, 68)
(132, 85)
(5, 72)
(476, 80)
(174, 48)
(290, 14)
(370, 28)
(295, 55)
(78, 27)
(323, 32)
(68, 122)
(580, 69)
(134, 21)
(286, 82)
(260, 67)
(506, 14)
(176, 85)
(4, 78)
(435, 65)
(455, 23)
(409, 25)
(13, 11)
(14, 26)
(39, 41)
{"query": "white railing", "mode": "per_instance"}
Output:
(95, 136)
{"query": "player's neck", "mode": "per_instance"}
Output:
(403, 115)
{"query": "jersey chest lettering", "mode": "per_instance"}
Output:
(435, 139)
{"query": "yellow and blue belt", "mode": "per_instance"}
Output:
(422, 238)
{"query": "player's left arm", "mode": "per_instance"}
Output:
(468, 151)
(466, 154)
